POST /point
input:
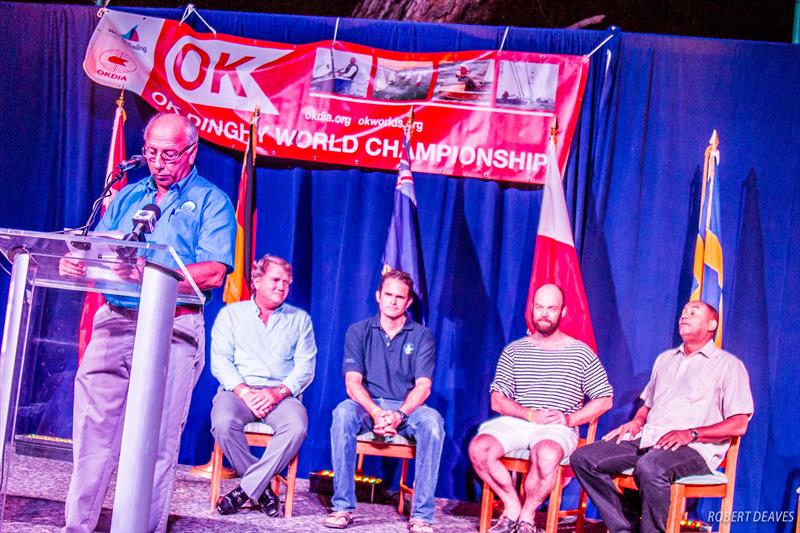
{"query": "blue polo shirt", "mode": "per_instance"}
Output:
(197, 220)
(389, 366)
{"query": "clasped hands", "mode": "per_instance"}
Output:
(547, 416)
(385, 423)
(261, 401)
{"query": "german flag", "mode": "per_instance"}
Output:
(237, 285)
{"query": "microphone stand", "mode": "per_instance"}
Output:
(117, 176)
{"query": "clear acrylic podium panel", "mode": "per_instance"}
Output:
(105, 259)
(38, 444)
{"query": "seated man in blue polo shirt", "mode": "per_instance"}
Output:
(388, 367)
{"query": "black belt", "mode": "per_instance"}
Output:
(133, 313)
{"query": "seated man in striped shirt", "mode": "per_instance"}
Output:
(538, 391)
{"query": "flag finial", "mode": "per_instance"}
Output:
(554, 128)
(121, 105)
(409, 125)
(714, 141)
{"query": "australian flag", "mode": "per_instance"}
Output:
(403, 251)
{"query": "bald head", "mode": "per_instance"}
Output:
(173, 122)
(548, 308)
(174, 138)
(550, 292)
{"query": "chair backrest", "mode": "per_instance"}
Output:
(731, 458)
(591, 433)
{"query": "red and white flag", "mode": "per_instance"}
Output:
(116, 154)
(555, 259)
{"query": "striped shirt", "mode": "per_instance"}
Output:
(559, 379)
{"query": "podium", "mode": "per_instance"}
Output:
(117, 267)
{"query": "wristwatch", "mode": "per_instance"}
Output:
(284, 390)
(695, 435)
(403, 415)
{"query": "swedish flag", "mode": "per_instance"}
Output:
(707, 283)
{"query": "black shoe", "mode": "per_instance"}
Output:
(232, 502)
(269, 503)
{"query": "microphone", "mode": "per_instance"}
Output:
(144, 221)
(134, 162)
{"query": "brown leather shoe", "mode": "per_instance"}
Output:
(527, 527)
(504, 525)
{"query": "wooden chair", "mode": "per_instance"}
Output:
(797, 513)
(518, 462)
(716, 485)
(257, 434)
(396, 446)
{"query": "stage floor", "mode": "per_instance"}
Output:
(37, 489)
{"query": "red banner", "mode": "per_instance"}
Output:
(483, 114)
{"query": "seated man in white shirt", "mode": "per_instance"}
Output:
(263, 354)
(698, 397)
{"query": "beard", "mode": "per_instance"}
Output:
(545, 327)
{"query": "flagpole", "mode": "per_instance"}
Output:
(708, 232)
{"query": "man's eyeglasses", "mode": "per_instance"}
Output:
(167, 156)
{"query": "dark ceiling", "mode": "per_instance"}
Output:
(766, 20)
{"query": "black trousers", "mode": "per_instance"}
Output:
(654, 471)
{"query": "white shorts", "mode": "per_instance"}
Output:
(517, 434)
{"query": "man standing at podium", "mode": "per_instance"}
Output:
(198, 221)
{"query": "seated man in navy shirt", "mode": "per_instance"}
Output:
(388, 368)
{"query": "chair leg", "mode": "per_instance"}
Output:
(360, 463)
(554, 506)
(291, 478)
(276, 484)
(676, 502)
(403, 487)
(581, 515)
(216, 474)
(727, 508)
(487, 502)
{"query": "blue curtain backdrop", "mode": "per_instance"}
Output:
(632, 188)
